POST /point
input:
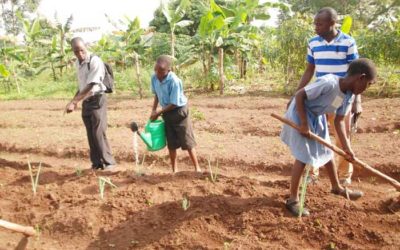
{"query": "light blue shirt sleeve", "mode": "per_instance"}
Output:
(152, 82)
(318, 88)
(347, 104)
(175, 92)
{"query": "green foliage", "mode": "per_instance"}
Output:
(12, 10)
(197, 115)
(42, 65)
(287, 50)
(193, 12)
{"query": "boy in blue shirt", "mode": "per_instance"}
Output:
(328, 94)
(168, 91)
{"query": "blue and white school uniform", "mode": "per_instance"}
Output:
(323, 96)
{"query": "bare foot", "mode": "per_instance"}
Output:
(174, 170)
(198, 169)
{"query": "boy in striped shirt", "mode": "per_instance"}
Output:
(331, 52)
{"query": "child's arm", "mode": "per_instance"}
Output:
(341, 132)
(300, 97)
(154, 115)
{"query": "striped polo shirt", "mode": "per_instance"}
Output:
(332, 57)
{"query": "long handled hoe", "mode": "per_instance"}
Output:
(339, 151)
(28, 231)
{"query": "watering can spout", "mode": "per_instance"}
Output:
(146, 137)
(154, 135)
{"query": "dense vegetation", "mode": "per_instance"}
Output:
(215, 43)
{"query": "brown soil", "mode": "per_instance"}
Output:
(243, 209)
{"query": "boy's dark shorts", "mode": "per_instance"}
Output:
(178, 129)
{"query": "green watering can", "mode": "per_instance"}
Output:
(154, 135)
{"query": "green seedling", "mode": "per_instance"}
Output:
(331, 245)
(303, 191)
(34, 179)
(149, 202)
(102, 183)
(197, 115)
(213, 176)
(317, 223)
(185, 203)
(38, 231)
(226, 245)
(78, 171)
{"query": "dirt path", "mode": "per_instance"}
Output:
(243, 209)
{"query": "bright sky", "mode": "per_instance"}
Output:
(90, 13)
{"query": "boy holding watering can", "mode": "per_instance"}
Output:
(168, 91)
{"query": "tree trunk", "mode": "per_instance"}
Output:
(16, 82)
(173, 49)
(221, 70)
(210, 61)
(239, 63)
(137, 69)
(244, 67)
(204, 62)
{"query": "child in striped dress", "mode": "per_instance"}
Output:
(328, 94)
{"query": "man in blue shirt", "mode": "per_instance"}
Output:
(168, 91)
(331, 52)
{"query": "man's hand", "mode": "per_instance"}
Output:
(71, 106)
(154, 115)
(350, 156)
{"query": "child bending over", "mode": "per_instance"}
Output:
(328, 94)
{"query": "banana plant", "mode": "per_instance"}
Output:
(174, 19)
(127, 44)
(13, 60)
(64, 31)
(212, 29)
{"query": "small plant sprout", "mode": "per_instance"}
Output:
(226, 245)
(38, 231)
(185, 203)
(78, 171)
(34, 179)
(197, 115)
(102, 183)
(213, 176)
(303, 191)
(140, 171)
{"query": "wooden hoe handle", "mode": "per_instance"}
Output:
(28, 231)
(339, 151)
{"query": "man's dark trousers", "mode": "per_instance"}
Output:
(94, 115)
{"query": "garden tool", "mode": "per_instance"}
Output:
(339, 151)
(154, 135)
(28, 231)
